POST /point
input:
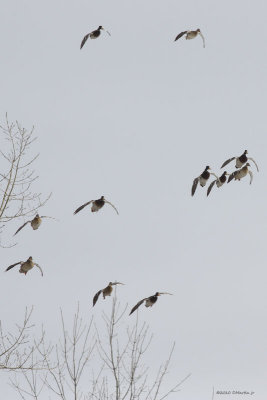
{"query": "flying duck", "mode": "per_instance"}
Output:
(25, 266)
(219, 182)
(106, 292)
(240, 161)
(202, 179)
(149, 301)
(97, 204)
(93, 35)
(35, 222)
(241, 173)
(191, 35)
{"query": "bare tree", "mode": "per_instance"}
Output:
(128, 378)
(114, 356)
(17, 177)
(62, 373)
(17, 351)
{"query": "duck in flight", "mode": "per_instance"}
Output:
(241, 173)
(219, 182)
(96, 205)
(93, 35)
(106, 292)
(26, 266)
(35, 222)
(191, 35)
(240, 161)
(202, 179)
(149, 301)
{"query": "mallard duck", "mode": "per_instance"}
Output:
(149, 301)
(25, 266)
(219, 182)
(240, 161)
(191, 35)
(96, 205)
(241, 173)
(202, 179)
(106, 292)
(35, 222)
(93, 35)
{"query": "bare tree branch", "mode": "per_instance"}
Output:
(117, 357)
(17, 197)
(18, 351)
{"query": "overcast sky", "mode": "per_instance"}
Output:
(136, 117)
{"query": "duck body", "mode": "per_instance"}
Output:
(36, 222)
(241, 173)
(204, 177)
(95, 34)
(240, 161)
(26, 266)
(97, 204)
(191, 34)
(151, 300)
(221, 180)
(108, 290)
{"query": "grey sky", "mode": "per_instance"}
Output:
(136, 117)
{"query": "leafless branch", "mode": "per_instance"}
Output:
(17, 198)
(117, 358)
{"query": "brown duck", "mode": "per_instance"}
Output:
(241, 173)
(106, 292)
(191, 35)
(25, 266)
(35, 223)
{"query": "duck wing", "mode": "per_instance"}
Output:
(251, 177)
(38, 266)
(210, 187)
(194, 186)
(22, 226)
(137, 305)
(112, 206)
(202, 38)
(254, 163)
(180, 35)
(84, 40)
(227, 162)
(13, 265)
(96, 297)
(231, 176)
(81, 207)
